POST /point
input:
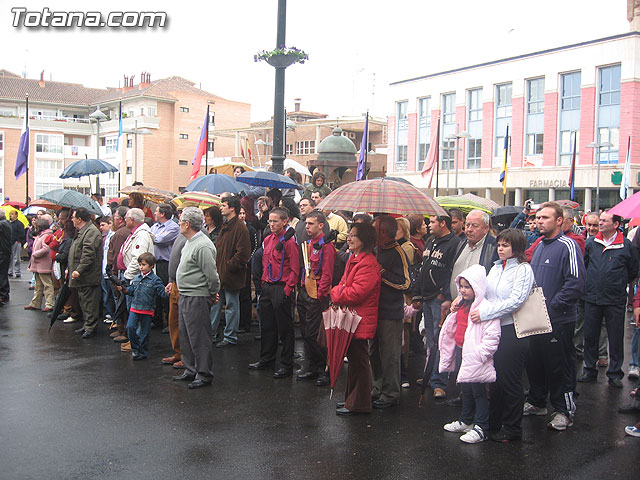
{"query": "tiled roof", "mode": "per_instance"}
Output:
(15, 87)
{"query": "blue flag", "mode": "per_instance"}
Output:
(22, 160)
(363, 151)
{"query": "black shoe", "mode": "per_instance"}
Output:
(62, 316)
(587, 378)
(225, 343)
(283, 372)
(615, 382)
(339, 405)
(323, 380)
(88, 334)
(185, 377)
(308, 375)
(260, 365)
(198, 384)
(79, 331)
(347, 413)
(382, 404)
(502, 437)
(139, 357)
(454, 402)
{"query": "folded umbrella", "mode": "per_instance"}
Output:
(61, 300)
(339, 324)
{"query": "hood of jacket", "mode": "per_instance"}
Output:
(476, 275)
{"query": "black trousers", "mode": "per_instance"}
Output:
(614, 321)
(310, 316)
(507, 394)
(276, 324)
(245, 303)
(551, 369)
(4, 276)
(162, 304)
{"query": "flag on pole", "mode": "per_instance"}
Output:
(119, 127)
(572, 173)
(201, 149)
(241, 150)
(362, 161)
(433, 155)
(626, 176)
(503, 173)
(248, 150)
(22, 160)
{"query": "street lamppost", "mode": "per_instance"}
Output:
(456, 137)
(135, 131)
(97, 116)
(598, 146)
(266, 144)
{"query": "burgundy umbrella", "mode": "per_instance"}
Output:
(340, 324)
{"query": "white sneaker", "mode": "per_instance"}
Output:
(457, 427)
(108, 319)
(475, 435)
(634, 372)
(69, 320)
(560, 422)
(529, 409)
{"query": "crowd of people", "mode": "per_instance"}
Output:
(444, 287)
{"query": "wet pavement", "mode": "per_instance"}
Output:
(81, 409)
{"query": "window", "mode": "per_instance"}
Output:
(401, 160)
(1, 141)
(475, 105)
(474, 153)
(129, 143)
(535, 95)
(609, 86)
(289, 149)
(183, 163)
(7, 112)
(612, 135)
(570, 91)
(402, 136)
(567, 138)
(307, 147)
(49, 143)
(448, 154)
(534, 143)
(503, 100)
(142, 111)
(111, 144)
(152, 111)
(402, 115)
(449, 108)
(212, 118)
(184, 109)
(424, 130)
(47, 176)
(128, 170)
(210, 146)
(131, 114)
(183, 136)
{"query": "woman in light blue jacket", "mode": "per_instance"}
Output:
(509, 284)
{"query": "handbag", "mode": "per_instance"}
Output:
(532, 317)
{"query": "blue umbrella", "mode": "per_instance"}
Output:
(268, 179)
(87, 166)
(215, 183)
(71, 199)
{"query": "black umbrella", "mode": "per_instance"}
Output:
(503, 216)
(61, 300)
(429, 364)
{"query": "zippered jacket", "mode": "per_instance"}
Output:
(437, 264)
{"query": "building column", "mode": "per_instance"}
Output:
(237, 146)
(518, 199)
(588, 194)
(552, 194)
(487, 193)
(461, 191)
(318, 137)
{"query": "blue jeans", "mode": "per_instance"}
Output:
(634, 347)
(232, 315)
(107, 297)
(475, 405)
(138, 327)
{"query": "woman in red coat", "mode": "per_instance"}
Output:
(359, 289)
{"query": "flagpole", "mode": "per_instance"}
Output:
(26, 119)
(206, 149)
(437, 157)
(366, 145)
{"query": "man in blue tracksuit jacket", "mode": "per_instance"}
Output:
(558, 267)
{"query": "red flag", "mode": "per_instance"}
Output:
(431, 161)
(248, 150)
(241, 150)
(201, 149)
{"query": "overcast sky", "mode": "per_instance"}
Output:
(356, 47)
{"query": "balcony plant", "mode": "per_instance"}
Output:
(282, 56)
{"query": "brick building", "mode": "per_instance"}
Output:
(305, 130)
(589, 92)
(170, 111)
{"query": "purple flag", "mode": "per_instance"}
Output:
(22, 159)
(363, 151)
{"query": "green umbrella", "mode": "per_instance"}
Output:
(71, 199)
(467, 202)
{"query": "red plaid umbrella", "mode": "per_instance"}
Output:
(568, 203)
(381, 196)
(340, 324)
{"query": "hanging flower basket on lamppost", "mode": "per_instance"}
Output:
(281, 57)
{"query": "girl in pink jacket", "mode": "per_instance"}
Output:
(478, 341)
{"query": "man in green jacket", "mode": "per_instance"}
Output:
(85, 269)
